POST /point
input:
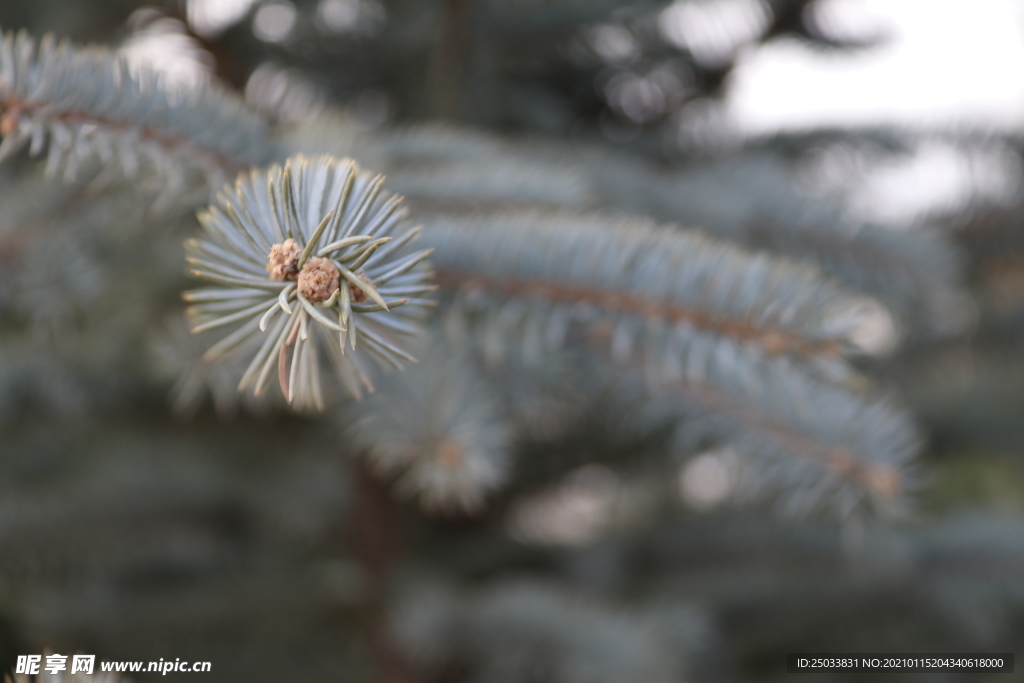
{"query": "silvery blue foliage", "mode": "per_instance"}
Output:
(641, 289)
(748, 199)
(335, 218)
(538, 460)
(86, 106)
(751, 200)
(439, 429)
(530, 631)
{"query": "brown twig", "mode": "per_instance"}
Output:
(774, 342)
(881, 479)
(450, 59)
(376, 546)
(15, 108)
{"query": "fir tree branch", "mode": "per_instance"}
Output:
(519, 630)
(755, 347)
(809, 445)
(635, 284)
(749, 200)
(276, 297)
(86, 105)
(438, 428)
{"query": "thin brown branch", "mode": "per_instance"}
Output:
(13, 109)
(450, 59)
(376, 545)
(881, 479)
(774, 342)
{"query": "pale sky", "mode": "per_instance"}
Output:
(946, 62)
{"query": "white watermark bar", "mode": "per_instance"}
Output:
(86, 664)
(910, 662)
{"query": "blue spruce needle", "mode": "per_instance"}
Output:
(307, 258)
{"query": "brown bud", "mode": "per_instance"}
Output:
(450, 454)
(885, 481)
(319, 279)
(775, 343)
(8, 123)
(357, 295)
(283, 260)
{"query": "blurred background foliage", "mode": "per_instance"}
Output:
(881, 141)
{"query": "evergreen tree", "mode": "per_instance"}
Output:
(442, 340)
